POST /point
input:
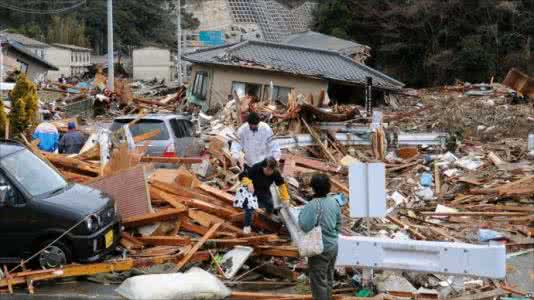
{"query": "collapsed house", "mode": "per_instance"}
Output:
(250, 67)
(18, 57)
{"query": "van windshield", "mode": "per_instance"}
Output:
(35, 176)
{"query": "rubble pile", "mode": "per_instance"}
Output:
(476, 186)
(491, 116)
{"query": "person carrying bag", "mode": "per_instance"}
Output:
(320, 217)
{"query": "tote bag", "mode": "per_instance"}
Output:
(311, 243)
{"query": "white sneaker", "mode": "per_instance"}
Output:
(247, 229)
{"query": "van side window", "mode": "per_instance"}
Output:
(12, 195)
(181, 128)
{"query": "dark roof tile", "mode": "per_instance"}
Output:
(303, 61)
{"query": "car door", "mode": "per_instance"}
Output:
(16, 222)
(186, 145)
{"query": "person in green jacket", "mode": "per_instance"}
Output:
(326, 212)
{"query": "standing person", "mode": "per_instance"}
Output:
(258, 180)
(72, 141)
(256, 141)
(48, 137)
(62, 79)
(324, 211)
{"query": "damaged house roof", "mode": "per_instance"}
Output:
(34, 57)
(303, 61)
(318, 40)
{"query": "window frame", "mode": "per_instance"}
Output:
(200, 85)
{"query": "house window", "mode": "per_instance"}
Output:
(22, 66)
(280, 93)
(244, 88)
(200, 86)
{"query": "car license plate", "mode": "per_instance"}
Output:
(109, 238)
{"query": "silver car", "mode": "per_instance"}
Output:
(176, 136)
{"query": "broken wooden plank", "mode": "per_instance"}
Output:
(277, 251)
(133, 241)
(165, 241)
(217, 210)
(206, 219)
(72, 164)
(495, 159)
(340, 185)
(493, 294)
(167, 197)
(198, 245)
(246, 241)
(146, 136)
(310, 163)
(162, 215)
(217, 193)
(409, 228)
(513, 208)
(473, 213)
(437, 180)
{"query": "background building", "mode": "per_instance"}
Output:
(152, 63)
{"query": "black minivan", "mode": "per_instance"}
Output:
(37, 206)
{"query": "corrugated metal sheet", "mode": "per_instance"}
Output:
(129, 190)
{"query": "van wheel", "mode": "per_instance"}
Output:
(54, 256)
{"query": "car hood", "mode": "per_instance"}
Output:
(79, 199)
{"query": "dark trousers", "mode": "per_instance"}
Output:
(265, 201)
(249, 213)
(321, 272)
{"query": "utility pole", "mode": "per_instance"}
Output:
(179, 42)
(111, 66)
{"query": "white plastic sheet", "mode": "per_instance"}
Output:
(193, 285)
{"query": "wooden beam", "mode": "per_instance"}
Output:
(172, 160)
(165, 241)
(198, 245)
(317, 139)
(76, 270)
(162, 215)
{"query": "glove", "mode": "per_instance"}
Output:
(284, 194)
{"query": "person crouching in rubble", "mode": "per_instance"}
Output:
(323, 211)
(256, 141)
(255, 190)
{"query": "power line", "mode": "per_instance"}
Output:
(54, 7)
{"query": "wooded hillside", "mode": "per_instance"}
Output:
(428, 42)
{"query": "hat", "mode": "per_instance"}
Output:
(71, 125)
